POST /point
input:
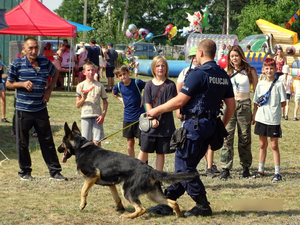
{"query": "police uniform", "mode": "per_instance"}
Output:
(207, 85)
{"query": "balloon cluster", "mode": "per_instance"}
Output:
(133, 32)
(130, 60)
(171, 31)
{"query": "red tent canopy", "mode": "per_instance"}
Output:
(32, 18)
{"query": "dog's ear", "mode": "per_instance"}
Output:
(75, 128)
(67, 129)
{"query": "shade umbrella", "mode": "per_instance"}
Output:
(81, 27)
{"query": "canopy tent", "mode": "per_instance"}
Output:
(3, 23)
(31, 17)
(81, 27)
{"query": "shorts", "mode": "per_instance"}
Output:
(91, 130)
(2, 88)
(110, 71)
(267, 130)
(297, 98)
(132, 131)
(288, 96)
(151, 144)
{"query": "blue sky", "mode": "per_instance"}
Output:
(52, 4)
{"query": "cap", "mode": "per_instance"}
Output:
(193, 51)
(110, 44)
(48, 43)
(285, 69)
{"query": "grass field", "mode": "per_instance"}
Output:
(49, 202)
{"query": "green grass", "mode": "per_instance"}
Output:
(48, 202)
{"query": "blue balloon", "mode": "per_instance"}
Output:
(149, 36)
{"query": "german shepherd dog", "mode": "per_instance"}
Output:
(108, 168)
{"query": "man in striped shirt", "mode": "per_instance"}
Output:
(29, 76)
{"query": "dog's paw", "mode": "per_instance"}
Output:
(120, 207)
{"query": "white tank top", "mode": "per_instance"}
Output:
(240, 82)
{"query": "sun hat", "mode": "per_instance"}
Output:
(193, 51)
(285, 69)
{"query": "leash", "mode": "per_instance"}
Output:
(118, 131)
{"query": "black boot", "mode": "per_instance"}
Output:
(246, 172)
(225, 174)
(201, 208)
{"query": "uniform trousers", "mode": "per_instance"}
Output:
(188, 158)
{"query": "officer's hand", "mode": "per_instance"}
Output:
(152, 113)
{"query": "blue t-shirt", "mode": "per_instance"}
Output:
(21, 70)
(93, 54)
(131, 98)
(113, 55)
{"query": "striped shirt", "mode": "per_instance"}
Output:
(21, 70)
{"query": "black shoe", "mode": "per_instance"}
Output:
(210, 173)
(214, 168)
(202, 207)
(161, 210)
(246, 172)
(198, 210)
(26, 177)
(225, 174)
(4, 120)
(58, 177)
(286, 117)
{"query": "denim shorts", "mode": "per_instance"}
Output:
(91, 130)
(2, 88)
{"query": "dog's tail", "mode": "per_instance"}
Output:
(173, 177)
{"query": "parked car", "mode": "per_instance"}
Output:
(147, 49)
(120, 48)
(54, 44)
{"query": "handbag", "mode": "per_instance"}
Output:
(217, 140)
(263, 99)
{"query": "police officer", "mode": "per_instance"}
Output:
(199, 99)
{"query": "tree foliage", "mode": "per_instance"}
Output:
(156, 15)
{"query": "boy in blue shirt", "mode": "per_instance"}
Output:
(130, 90)
(268, 117)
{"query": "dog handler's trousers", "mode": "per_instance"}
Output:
(187, 159)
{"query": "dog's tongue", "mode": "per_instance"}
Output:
(64, 160)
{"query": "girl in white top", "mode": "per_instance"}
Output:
(242, 76)
(287, 81)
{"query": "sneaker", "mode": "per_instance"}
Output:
(26, 177)
(258, 175)
(210, 173)
(58, 177)
(286, 117)
(277, 177)
(283, 117)
(246, 172)
(4, 120)
(215, 169)
(225, 174)
(295, 119)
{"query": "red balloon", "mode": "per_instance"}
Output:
(168, 29)
(223, 62)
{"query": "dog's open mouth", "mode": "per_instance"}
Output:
(64, 159)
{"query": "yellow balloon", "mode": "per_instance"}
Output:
(173, 32)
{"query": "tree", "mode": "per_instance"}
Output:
(278, 12)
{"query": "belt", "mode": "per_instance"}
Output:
(209, 114)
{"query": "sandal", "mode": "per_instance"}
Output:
(162, 210)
